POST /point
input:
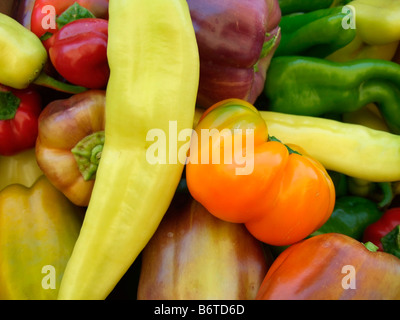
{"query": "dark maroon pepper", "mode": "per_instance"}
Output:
(236, 39)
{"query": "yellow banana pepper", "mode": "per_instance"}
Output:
(370, 117)
(21, 168)
(358, 49)
(354, 150)
(154, 62)
(38, 230)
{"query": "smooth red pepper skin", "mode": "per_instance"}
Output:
(20, 133)
(78, 52)
(376, 231)
(99, 8)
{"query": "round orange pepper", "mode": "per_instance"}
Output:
(281, 194)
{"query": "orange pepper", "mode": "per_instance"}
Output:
(282, 196)
(332, 266)
(70, 143)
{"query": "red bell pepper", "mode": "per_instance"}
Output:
(78, 52)
(382, 233)
(99, 8)
(19, 113)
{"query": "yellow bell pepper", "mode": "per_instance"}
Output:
(154, 62)
(21, 168)
(38, 230)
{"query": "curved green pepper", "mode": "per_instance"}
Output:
(380, 192)
(292, 6)
(314, 87)
(318, 33)
(351, 216)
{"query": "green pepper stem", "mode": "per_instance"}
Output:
(272, 138)
(9, 104)
(87, 153)
(371, 247)
(387, 194)
(45, 80)
(267, 47)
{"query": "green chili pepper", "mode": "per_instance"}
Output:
(291, 6)
(22, 58)
(318, 33)
(351, 216)
(314, 87)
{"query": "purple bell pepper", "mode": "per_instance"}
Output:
(236, 40)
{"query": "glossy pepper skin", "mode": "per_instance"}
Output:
(19, 113)
(358, 49)
(22, 11)
(99, 8)
(316, 269)
(21, 168)
(377, 21)
(236, 41)
(23, 57)
(342, 147)
(296, 6)
(376, 25)
(78, 52)
(312, 86)
(350, 217)
(212, 259)
(131, 194)
(379, 229)
(281, 195)
(318, 33)
(70, 142)
(22, 54)
(38, 228)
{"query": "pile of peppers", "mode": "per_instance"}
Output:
(194, 150)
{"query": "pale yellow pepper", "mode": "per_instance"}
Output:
(38, 230)
(21, 168)
(377, 23)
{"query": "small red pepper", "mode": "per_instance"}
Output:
(19, 113)
(40, 16)
(378, 230)
(78, 51)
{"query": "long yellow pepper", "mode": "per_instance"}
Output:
(354, 150)
(153, 57)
